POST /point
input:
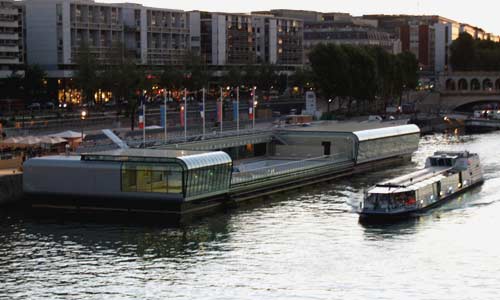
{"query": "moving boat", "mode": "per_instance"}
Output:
(446, 174)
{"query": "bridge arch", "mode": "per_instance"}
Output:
(487, 85)
(475, 85)
(450, 85)
(463, 85)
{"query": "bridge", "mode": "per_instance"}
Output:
(463, 90)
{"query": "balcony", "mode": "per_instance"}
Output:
(9, 24)
(10, 49)
(9, 11)
(9, 36)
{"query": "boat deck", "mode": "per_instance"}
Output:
(411, 181)
(416, 177)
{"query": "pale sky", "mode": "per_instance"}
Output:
(481, 13)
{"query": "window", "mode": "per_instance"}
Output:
(149, 178)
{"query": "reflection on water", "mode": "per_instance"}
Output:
(306, 244)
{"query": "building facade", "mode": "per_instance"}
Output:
(11, 38)
(58, 29)
(339, 28)
(245, 39)
(428, 37)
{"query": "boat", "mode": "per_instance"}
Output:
(446, 174)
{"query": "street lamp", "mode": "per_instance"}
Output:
(83, 116)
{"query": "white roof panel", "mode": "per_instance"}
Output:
(372, 134)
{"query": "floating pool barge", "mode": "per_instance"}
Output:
(199, 177)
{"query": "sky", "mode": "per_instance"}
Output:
(480, 13)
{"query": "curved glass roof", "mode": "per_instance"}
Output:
(198, 161)
(192, 159)
(373, 134)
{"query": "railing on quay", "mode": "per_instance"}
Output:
(288, 168)
(175, 136)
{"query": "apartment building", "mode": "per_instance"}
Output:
(338, 28)
(11, 37)
(57, 30)
(428, 37)
(243, 39)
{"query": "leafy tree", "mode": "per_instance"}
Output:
(196, 74)
(330, 68)
(172, 78)
(86, 73)
(34, 82)
(463, 53)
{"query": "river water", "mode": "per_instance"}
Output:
(305, 244)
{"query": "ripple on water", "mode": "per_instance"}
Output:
(301, 245)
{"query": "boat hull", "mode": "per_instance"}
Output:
(377, 217)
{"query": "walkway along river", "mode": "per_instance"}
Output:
(305, 244)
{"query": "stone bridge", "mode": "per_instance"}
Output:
(463, 90)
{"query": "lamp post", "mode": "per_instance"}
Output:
(83, 116)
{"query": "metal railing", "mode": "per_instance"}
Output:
(288, 168)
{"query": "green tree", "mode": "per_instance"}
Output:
(171, 78)
(195, 74)
(34, 83)
(125, 78)
(463, 53)
(362, 76)
(86, 73)
(330, 69)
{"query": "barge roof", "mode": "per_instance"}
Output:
(412, 181)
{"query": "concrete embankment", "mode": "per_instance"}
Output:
(11, 188)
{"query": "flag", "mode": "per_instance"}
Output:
(219, 111)
(235, 110)
(202, 111)
(250, 112)
(141, 117)
(163, 115)
(182, 115)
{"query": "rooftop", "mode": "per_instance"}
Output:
(191, 159)
(339, 126)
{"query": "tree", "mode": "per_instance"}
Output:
(362, 75)
(195, 74)
(330, 68)
(463, 53)
(172, 78)
(125, 78)
(12, 86)
(34, 82)
(86, 73)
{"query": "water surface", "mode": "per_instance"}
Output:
(305, 244)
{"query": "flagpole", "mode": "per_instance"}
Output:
(144, 122)
(221, 109)
(204, 113)
(253, 109)
(165, 107)
(238, 110)
(185, 114)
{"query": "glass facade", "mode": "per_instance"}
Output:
(152, 178)
(191, 177)
(208, 180)
(385, 147)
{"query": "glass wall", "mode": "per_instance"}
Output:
(152, 178)
(168, 178)
(385, 147)
(208, 180)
